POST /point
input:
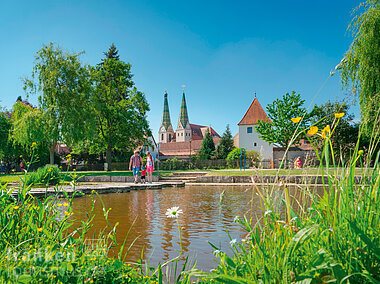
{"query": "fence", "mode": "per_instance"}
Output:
(174, 164)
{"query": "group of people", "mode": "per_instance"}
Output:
(136, 163)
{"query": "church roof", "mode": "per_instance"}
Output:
(197, 131)
(183, 116)
(254, 113)
(166, 115)
(182, 148)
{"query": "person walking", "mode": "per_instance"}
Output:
(135, 163)
(149, 166)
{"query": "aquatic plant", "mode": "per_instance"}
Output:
(331, 237)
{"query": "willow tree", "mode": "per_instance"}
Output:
(28, 125)
(120, 109)
(63, 88)
(361, 66)
(5, 126)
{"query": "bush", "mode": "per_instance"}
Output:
(49, 174)
(37, 243)
(254, 157)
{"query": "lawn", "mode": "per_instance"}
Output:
(225, 172)
(269, 172)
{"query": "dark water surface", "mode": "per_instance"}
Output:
(158, 235)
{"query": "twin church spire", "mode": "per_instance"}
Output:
(183, 133)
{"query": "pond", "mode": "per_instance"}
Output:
(202, 221)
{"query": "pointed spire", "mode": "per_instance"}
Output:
(166, 115)
(183, 117)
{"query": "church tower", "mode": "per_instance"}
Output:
(183, 132)
(166, 133)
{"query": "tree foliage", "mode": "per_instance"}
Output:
(345, 135)
(361, 66)
(226, 144)
(5, 127)
(207, 149)
(63, 86)
(28, 126)
(281, 111)
(120, 109)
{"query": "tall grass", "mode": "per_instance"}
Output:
(41, 242)
(331, 238)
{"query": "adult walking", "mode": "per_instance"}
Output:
(135, 164)
(149, 166)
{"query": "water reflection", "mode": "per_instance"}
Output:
(201, 221)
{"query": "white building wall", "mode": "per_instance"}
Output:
(252, 141)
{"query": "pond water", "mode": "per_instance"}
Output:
(202, 221)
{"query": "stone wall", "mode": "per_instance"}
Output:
(111, 179)
(298, 179)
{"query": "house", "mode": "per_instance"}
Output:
(187, 139)
(303, 149)
(247, 137)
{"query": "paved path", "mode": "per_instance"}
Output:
(99, 188)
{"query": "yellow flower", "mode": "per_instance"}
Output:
(360, 152)
(39, 229)
(67, 213)
(339, 114)
(325, 131)
(312, 130)
(59, 204)
(13, 170)
(34, 144)
(16, 207)
(20, 156)
(296, 119)
(66, 204)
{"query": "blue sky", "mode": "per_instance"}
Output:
(223, 51)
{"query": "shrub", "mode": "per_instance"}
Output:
(254, 157)
(49, 174)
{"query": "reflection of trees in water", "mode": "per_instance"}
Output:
(199, 221)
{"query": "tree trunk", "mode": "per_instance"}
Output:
(109, 157)
(51, 152)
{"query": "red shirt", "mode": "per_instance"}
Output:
(143, 172)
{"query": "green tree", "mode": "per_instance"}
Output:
(361, 65)
(208, 147)
(5, 127)
(282, 129)
(225, 145)
(120, 109)
(346, 132)
(28, 126)
(63, 86)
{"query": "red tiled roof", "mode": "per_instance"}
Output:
(303, 145)
(254, 113)
(197, 133)
(182, 148)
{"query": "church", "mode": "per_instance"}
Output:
(187, 139)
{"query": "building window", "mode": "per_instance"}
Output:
(254, 144)
(170, 137)
(249, 130)
(162, 137)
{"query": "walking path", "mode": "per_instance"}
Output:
(100, 188)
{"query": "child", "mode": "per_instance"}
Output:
(143, 173)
